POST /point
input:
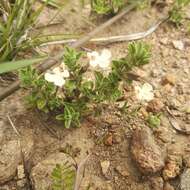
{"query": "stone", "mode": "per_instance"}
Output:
(167, 186)
(9, 160)
(105, 166)
(185, 180)
(169, 79)
(122, 171)
(108, 140)
(156, 183)
(155, 106)
(146, 153)
(143, 112)
(41, 173)
(173, 167)
(178, 44)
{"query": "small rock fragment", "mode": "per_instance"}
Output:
(122, 171)
(9, 160)
(178, 44)
(185, 180)
(105, 166)
(155, 106)
(143, 112)
(146, 153)
(169, 79)
(173, 167)
(108, 140)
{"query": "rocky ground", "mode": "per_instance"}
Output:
(124, 152)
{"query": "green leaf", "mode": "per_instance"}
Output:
(41, 103)
(70, 115)
(63, 177)
(154, 120)
(70, 85)
(138, 53)
(15, 65)
(54, 3)
(71, 56)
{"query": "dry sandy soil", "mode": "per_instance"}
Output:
(120, 158)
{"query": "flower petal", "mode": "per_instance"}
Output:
(93, 55)
(106, 54)
(56, 70)
(104, 63)
(93, 58)
(94, 63)
(49, 77)
(65, 73)
(59, 81)
(62, 65)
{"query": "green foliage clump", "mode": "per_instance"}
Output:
(81, 95)
(63, 177)
(15, 23)
(153, 120)
(176, 14)
(107, 6)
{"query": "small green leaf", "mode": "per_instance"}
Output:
(41, 103)
(154, 120)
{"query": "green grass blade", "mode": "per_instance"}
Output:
(15, 65)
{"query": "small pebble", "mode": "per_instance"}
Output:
(178, 44)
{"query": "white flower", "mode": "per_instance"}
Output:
(62, 66)
(65, 73)
(58, 80)
(102, 60)
(57, 76)
(145, 92)
(105, 58)
(57, 71)
(94, 58)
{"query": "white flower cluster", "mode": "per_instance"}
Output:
(101, 60)
(144, 92)
(58, 75)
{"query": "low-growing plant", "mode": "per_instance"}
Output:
(154, 120)
(176, 15)
(76, 89)
(63, 177)
(107, 6)
(16, 21)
